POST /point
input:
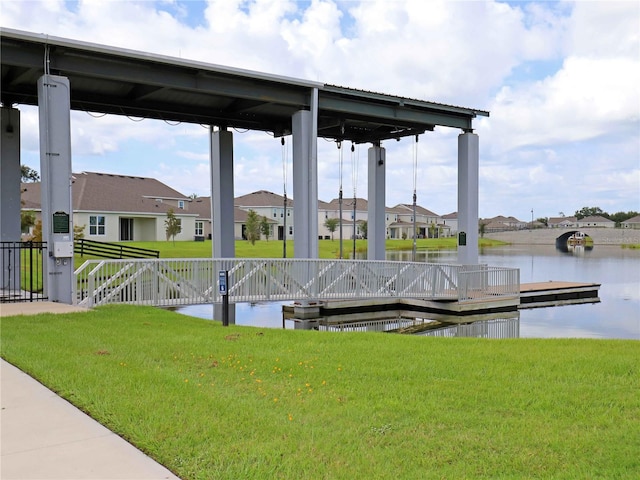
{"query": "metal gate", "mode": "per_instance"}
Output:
(22, 278)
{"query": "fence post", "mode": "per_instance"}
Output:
(30, 272)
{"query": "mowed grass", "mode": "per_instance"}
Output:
(211, 402)
(274, 248)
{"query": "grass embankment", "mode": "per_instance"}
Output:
(273, 248)
(241, 402)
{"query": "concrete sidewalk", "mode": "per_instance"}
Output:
(44, 437)
(35, 308)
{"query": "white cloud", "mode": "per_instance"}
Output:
(560, 78)
(587, 98)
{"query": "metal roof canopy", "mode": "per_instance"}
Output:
(124, 82)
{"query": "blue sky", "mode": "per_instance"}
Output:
(561, 80)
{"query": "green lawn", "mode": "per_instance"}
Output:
(248, 403)
(273, 248)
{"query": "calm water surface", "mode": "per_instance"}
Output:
(617, 315)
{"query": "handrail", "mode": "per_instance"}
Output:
(163, 282)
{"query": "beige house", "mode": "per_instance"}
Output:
(595, 221)
(632, 223)
(561, 222)
(400, 222)
(352, 219)
(269, 205)
(113, 208)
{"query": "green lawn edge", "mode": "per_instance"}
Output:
(328, 249)
(235, 402)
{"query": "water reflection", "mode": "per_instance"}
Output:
(507, 327)
(496, 325)
(577, 250)
(616, 269)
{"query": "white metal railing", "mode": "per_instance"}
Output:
(164, 282)
(481, 282)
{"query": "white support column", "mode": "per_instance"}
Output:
(9, 191)
(376, 226)
(305, 185)
(55, 173)
(222, 222)
(468, 165)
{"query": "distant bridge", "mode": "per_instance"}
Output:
(169, 282)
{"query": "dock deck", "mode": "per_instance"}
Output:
(553, 293)
(532, 295)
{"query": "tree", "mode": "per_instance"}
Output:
(78, 232)
(481, 229)
(620, 217)
(36, 235)
(588, 212)
(331, 224)
(265, 228)
(363, 228)
(252, 227)
(29, 174)
(27, 220)
(543, 220)
(172, 225)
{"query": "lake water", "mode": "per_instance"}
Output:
(617, 315)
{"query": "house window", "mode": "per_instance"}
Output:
(199, 228)
(290, 230)
(97, 225)
(181, 204)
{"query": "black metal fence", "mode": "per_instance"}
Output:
(112, 250)
(22, 275)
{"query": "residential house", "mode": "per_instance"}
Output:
(632, 223)
(504, 224)
(450, 222)
(352, 218)
(204, 224)
(270, 205)
(561, 222)
(427, 223)
(113, 207)
(595, 221)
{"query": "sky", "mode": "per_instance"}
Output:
(561, 81)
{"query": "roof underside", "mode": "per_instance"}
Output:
(123, 82)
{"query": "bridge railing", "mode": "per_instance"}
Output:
(481, 282)
(164, 282)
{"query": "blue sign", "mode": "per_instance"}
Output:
(222, 282)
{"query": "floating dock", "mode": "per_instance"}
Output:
(532, 295)
(551, 294)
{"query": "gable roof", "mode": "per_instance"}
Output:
(262, 198)
(408, 208)
(554, 220)
(347, 203)
(595, 219)
(635, 219)
(105, 192)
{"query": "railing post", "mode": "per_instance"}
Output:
(30, 272)
(91, 284)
